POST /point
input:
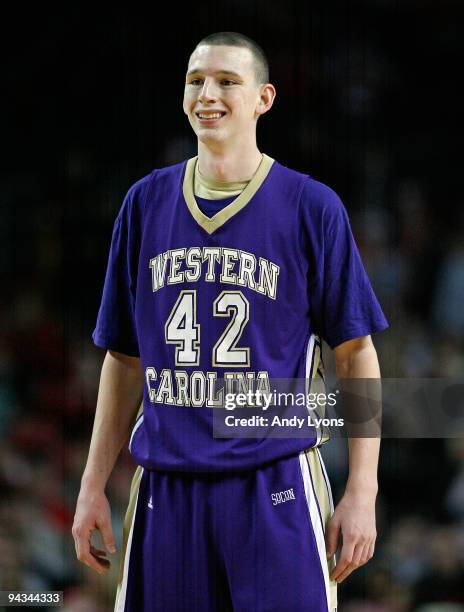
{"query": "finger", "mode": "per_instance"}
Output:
(76, 547)
(370, 553)
(372, 550)
(107, 536)
(84, 554)
(81, 540)
(99, 564)
(365, 556)
(344, 560)
(331, 538)
(103, 564)
(97, 551)
(100, 556)
(348, 570)
(360, 553)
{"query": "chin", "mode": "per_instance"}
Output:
(208, 137)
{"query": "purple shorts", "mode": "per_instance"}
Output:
(248, 542)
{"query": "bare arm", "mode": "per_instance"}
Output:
(119, 396)
(354, 516)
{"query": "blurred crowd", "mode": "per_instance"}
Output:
(409, 227)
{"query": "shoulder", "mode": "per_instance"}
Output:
(140, 184)
(320, 198)
(156, 175)
(316, 197)
(139, 192)
(173, 172)
(136, 194)
(322, 207)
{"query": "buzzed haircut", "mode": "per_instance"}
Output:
(235, 39)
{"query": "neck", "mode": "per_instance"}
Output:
(228, 166)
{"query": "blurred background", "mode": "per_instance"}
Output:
(368, 102)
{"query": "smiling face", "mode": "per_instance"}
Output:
(222, 98)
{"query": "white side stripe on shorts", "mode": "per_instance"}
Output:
(316, 523)
(327, 481)
(121, 599)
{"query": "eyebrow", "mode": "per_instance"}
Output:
(229, 72)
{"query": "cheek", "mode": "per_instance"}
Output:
(187, 103)
(247, 108)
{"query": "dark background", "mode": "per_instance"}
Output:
(368, 101)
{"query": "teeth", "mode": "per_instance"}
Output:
(209, 115)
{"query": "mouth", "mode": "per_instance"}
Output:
(208, 117)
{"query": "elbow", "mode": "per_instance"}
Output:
(351, 354)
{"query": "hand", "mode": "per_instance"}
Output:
(354, 520)
(93, 512)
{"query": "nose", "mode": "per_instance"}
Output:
(208, 92)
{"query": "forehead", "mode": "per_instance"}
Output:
(221, 58)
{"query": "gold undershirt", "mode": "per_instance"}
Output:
(215, 190)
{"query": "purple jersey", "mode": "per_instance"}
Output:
(243, 296)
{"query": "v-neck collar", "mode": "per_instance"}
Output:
(211, 224)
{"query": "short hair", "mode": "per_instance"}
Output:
(235, 39)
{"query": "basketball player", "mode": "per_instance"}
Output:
(227, 266)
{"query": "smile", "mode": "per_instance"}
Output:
(208, 116)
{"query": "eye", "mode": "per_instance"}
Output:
(227, 82)
(195, 82)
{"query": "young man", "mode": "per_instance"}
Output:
(227, 266)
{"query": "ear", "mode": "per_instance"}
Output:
(266, 98)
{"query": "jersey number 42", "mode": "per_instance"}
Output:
(182, 329)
